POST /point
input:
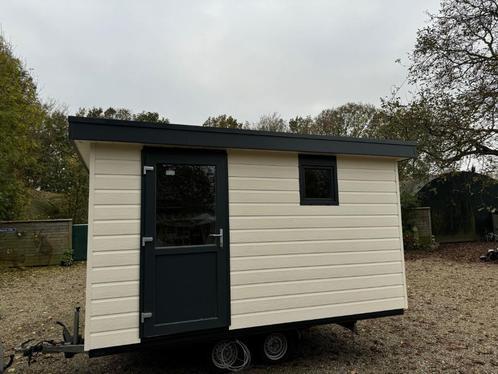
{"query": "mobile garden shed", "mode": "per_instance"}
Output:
(195, 231)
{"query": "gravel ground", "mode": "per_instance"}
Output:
(451, 325)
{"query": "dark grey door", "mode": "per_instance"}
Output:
(185, 261)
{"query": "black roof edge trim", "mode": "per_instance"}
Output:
(98, 129)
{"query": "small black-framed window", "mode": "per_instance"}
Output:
(318, 180)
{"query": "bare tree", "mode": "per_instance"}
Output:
(272, 122)
(455, 67)
(351, 119)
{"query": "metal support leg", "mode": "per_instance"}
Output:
(76, 325)
(1, 358)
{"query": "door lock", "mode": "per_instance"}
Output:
(219, 235)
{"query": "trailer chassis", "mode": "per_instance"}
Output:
(225, 342)
(70, 345)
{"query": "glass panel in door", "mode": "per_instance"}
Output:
(185, 204)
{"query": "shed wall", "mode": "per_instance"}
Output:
(112, 306)
(291, 262)
(288, 262)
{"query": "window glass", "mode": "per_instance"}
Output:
(185, 204)
(318, 180)
(317, 183)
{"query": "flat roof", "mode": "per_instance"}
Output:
(100, 129)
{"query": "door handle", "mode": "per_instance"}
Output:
(219, 235)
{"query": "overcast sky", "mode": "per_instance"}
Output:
(192, 59)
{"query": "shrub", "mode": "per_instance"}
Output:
(67, 258)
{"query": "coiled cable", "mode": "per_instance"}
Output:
(232, 355)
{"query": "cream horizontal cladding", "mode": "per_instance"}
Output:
(310, 272)
(280, 235)
(265, 304)
(112, 306)
(312, 246)
(293, 209)
(291, 262)
(252, 291)
(315, 259)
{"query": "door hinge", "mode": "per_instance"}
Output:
(148, 168)
(146, 239)
(145, 315)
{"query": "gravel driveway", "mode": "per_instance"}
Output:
(450, 327)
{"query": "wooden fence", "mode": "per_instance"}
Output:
(34, 243)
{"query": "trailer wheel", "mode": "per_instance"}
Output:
(275, 347)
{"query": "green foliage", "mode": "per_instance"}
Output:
(461, 204)
(122, 114)
(352, 119)
(153, 117)
(74, 185)
(411, 237)
(76, 192)
(58, 168)
(67, 258)
(392, 121)
(20, 115)
(357, 120)
(12, 194)
(409, 200)
(301, 125)
(43, 205)
(411, 242)
(42, 175)
(405, 122)
(50, 172)
(224, 121)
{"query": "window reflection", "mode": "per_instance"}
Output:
(318, 182)
(185, 204)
